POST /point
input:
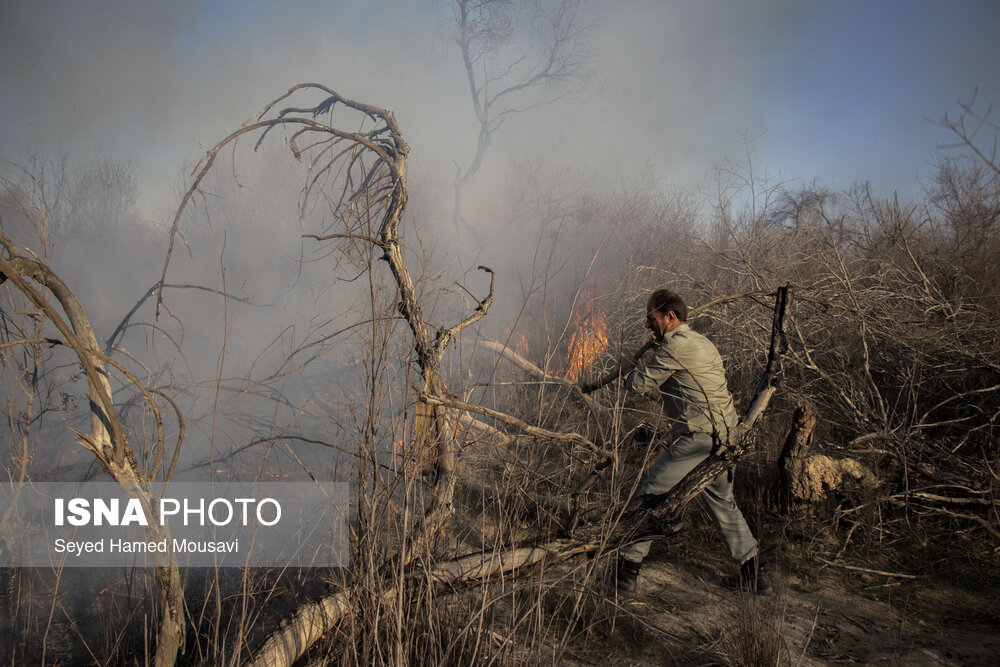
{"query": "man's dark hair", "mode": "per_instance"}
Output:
(663, 301)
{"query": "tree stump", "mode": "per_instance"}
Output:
(810, 478)
(793, 460)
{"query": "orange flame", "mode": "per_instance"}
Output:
(522, 342)
(587, 345)
(589, 339)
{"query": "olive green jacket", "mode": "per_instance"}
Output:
(687, 372)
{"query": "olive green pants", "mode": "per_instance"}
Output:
(683, 455)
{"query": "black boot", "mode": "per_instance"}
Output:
(627, 576)
(752, 578)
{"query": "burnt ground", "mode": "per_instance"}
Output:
(817, 615)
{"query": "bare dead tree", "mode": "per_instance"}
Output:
(369, 168)
(502, 83)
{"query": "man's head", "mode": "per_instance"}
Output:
(665, 311)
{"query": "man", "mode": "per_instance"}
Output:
(688, 375)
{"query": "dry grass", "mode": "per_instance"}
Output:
(754, 637)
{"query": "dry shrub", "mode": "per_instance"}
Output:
(754, 635)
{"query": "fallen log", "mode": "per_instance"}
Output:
(312, 620)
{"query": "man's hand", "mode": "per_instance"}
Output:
(627, 363)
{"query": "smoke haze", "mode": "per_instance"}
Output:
(831, 91)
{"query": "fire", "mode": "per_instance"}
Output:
(522, 342)
(587, 345)
(589, 340)
(459, 431)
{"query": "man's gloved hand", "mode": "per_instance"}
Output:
(589, 387)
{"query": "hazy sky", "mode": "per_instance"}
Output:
(837, 91)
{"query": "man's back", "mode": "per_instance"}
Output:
(687, 371)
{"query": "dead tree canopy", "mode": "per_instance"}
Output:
(503, 84)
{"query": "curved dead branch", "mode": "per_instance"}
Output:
(158, 287)
(107, 439)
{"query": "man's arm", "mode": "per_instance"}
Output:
(647, 377)
(627, 363)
